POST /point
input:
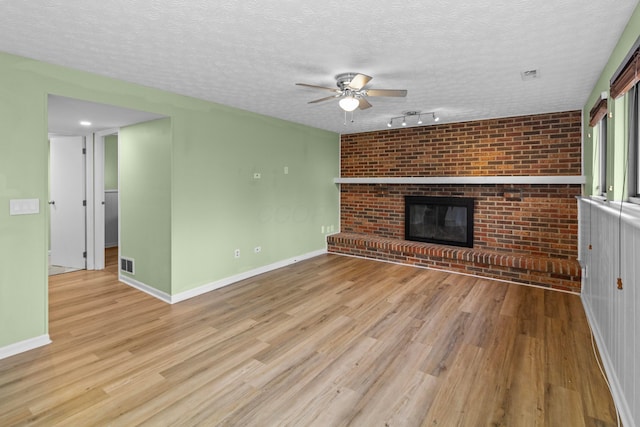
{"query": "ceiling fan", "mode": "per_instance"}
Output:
(352, 93)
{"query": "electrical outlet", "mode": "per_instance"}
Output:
(286, 170)
(257, 249)
(236, 253)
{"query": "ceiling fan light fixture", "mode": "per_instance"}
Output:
(390, 123)
(404, 121)
(352, 92)
(349, 103)
(435, 118)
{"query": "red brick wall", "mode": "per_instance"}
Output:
(543, 221)
(543, 144)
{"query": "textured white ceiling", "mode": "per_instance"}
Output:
(460, 59)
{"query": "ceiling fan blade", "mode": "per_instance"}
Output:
(318, 87)
(323, 99)
(359, 81)
(364, 104)
(386, 92)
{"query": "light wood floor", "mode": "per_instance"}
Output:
(111, 260)
(328, 341)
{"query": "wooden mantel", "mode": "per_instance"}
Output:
(478, 180)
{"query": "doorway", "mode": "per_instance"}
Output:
(106, 210)
(95, 122)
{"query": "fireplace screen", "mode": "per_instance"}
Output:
(445, 220)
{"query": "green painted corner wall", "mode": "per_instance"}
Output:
(209, 202)
(616, 137)
(111, 162)
(145, 201)
(23, 239)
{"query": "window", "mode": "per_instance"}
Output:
(633, 175)
(600, 154)
(598, 121)
(636, 161)
(626, 81)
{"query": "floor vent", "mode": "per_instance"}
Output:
(127, 265)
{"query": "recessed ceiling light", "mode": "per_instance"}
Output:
(85, 123)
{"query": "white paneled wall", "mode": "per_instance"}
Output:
(614, 314)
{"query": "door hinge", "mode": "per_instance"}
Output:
(84, 151)
(84, 203)
(84, 254)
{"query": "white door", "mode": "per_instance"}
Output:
(66, 204)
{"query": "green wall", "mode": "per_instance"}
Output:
(111, 162)
(196, 176)
(616, 133)
(219, 206)
(145, 201)
(23, 239)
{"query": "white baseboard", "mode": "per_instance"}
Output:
(242, 276)
(614, 383)
(22, 346)
(163, 296)
(172, 299)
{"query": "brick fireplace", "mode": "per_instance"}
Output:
(443, 220)
(521, 172)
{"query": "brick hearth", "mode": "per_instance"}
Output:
(543, 271)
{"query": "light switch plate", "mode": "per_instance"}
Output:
(24, 206)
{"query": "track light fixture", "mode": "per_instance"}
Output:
(412, 114)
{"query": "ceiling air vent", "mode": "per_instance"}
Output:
(530, 74)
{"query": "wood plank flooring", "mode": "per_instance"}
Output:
(331, 341)
(111, 260)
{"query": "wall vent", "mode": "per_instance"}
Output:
(127, 265)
